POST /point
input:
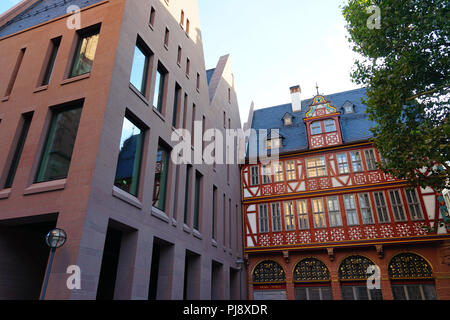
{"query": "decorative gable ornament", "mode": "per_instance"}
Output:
(320, 107)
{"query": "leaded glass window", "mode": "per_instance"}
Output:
(371, 161)
(268, 272)
(413, 204)
(366, 211)
(318, 213)
(290, 170)
(316, 128)
(303, 221)
(342, 163)
(276, 217)
(330, 125)
(380, 203)
(279, 172)
(334, 212)
(409, 266)
(397, 205)
(289, 216)
(311, 269)
(350, 209)
(356, 161)
(354, 268)
(254, 175)
(316, 167)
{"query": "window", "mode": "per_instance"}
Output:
(188, 26)
(229, 95)
(179, 55)
(343, 163)
(330, 125)
(254, 176)
(188, 67)
(176, 104)
(289, 216)
(267, 173)
(160, 88)
(360, 293)
(316, 167)
(198, 185)
(194, 115)
(198, 82)
(214, 213)
(15, 72)
(397, 205)
(356, 161)
(316, 128)
(54, 44)
(380, 204)
(139, 70)
(161, 174)
(26, 122)
(85, 52)
(414, 291)
(350, 209)
(185, 111)
(303, 221)
(152, 17)
(59, 144)
(334, 213)
(348, 107)
(413, 204)
(313, 293)
(166, 38)
(371, 161)
(288, 121)
(130, 157)
(366, 211)
(290, 170)
(276, 217)
(279, 172)
(263, 218)
(182, 18)
(186, 197)
(318, 213)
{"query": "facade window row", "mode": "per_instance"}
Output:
(329, 211)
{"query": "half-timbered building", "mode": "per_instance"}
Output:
(317, 220)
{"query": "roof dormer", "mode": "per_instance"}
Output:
(348, 107)
(288, 119)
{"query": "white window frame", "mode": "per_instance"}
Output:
(398, 209)
(366, 208)
(381, 207)
(356, 159)
(278, 171)
(291, 172)
(289, 216)
(327, 124)
(302, 212)
(371, 159)
(415, 208)
(275, 210)
(254, 176)
(315, 128)
(318, 215)
(266, 173)
(317, 168)
(263, 211)
(343, 167)
(334, 212)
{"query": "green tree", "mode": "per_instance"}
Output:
(403, 48)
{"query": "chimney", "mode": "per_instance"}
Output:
(296, 98)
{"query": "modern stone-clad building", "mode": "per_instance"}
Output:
(321, 216)
(89, 101)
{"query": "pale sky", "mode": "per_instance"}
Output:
(275, 45)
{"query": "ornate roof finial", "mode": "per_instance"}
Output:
(317, 88)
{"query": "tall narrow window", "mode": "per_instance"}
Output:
(303, 221)
(356, 161)
(160, 88)
(254, 175)
(197, 196)
(366, 211)
(182, 18)
(413, 204)
(161, 174)
(289, 216)
(130, 157)
(318, 213)
(350, 209)
(334, 212)
(54, 44)
(176, 105)
(166, 38)
(152, 17)
(26, 122)
(85, 52)
(267, 173)
(263, 218)
(380, 203)
(214, 213)
(139, 70)
(330, 125)
(371, 161)
(188, 66)
(59, 144)
(316, 167)
(15, 72)
(229, 95)
(342, 163)
(290, 170)
(186, 197)
(279, 172)
(198, 82)
(316, 128)
(179, 55)
(188, 26)
(397, 205)
(194, 115)
(185, 110)
(276, 217)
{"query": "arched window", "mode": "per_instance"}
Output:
(268, 272)
(353, 275)
(308, 271)
(330, 125)
(316, 128)
(411, 277)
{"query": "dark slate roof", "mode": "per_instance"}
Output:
(209, 74)
(354, 126)
(41, 11)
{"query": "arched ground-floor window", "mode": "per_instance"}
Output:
(312, 280)
(353, 277)
(269, 281)
(411, 278)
